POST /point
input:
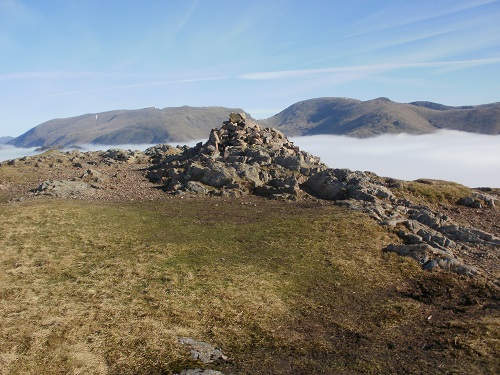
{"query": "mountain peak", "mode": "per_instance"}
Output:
(326, 115)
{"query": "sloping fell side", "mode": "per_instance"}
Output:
(243, 158)
(362, 119)
(139, 126)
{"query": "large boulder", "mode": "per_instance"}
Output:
(340, 184)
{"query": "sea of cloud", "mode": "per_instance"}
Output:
(470, 159)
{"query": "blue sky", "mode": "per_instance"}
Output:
(62, 58)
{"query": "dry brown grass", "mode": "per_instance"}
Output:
(434, 192)
(281, 287)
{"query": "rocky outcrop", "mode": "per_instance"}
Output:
(239, 158)
(478, 200)
(341, 184)
(429, 237)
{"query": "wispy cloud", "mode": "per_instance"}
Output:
(187, 16)
(15, 12)
(335, 75)
(414, 15)
(47, 75)
(366, 68)
(136, 85)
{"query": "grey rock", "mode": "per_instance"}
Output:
(339, 184)
(478, 200)
(470, 202)
(411, 239)
(195, 187)
(92, 175)
(460, 233)
(431, 258)
(216, 174)
(64, 188)
(237, 117)
(203, 351)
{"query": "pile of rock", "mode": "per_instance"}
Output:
(239, 158)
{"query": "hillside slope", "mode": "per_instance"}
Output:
(344, 116)
(141, 126)
(340, 116)
(4, 140)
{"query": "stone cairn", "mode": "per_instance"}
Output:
(239, 158)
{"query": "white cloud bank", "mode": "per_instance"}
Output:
(470, 159)
(9, 152)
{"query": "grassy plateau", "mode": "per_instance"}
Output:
(280, 287)
(107, 283)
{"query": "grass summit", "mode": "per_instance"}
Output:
(104, 272)
(280, 287)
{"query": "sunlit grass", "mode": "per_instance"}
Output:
(108, 288)
(427, 191)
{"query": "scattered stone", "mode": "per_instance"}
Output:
(63, 189)
(203, 351)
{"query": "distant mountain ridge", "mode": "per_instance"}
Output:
(4, 140)
(139, 126)
(339, 116)
(352, 117)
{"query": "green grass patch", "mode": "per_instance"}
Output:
(427, 191)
